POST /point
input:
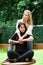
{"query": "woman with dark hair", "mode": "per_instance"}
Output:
(21, 52)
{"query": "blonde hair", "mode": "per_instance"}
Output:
(30, 21)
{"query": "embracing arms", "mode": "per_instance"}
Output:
(12, 41)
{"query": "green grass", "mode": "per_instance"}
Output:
(2, 55)
(38, 56)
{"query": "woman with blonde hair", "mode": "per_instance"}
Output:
(27, 20)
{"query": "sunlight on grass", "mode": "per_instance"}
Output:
(38, 57)
(2, 55)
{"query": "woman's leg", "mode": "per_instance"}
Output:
(29, 54)
(11, 46)
(12, 56)
(29, 45)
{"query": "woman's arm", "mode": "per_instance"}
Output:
(24, 35)
(30, 39)
(29, 31)
(19, 34)
(17, 30)
(12, 41)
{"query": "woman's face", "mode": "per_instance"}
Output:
(22, 28)
(26, 16)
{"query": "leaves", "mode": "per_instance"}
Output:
(10, 9)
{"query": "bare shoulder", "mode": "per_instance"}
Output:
(30, 25)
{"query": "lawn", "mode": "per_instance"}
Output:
(38, 56)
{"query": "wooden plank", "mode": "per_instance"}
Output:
(35, 46)
(38, 46)
(6, 62)
(17, 63)
(4, 46)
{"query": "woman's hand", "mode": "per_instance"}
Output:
(20, 40)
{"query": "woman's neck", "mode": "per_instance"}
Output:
(25, 21)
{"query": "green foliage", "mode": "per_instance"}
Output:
(22, 5)
(11, 9)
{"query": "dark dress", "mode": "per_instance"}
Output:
(21, 52)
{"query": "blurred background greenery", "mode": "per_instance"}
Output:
(12, 10)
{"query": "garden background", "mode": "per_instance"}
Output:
(12, 10)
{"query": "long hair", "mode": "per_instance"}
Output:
(20, 23)
(30, 21)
